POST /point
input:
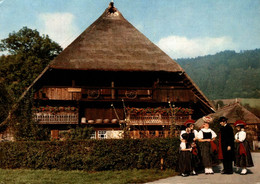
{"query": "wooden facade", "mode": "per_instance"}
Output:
(104, 105)
(110, 68)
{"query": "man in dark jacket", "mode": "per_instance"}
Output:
(226, 146)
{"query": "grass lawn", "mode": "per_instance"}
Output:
(26, 176)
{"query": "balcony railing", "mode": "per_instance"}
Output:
(157, 120)
(43, 118)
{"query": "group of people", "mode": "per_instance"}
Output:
(199, 148)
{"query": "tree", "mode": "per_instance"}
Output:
(28, 42)
(4, 101)
(219, 104)
(29, 55)
(226, 74)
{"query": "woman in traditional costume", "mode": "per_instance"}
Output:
(208, 148)
(193, 134)
(242, 148)
(185, 165)
(191, 140)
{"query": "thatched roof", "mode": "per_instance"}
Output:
(233, 112)
(111, 43)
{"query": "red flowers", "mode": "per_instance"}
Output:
(159, 110)
(55, 109)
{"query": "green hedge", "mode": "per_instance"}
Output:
(91, 155)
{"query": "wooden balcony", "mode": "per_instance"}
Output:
(46, 118)
(157, 120)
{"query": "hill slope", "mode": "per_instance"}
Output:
(226, 74)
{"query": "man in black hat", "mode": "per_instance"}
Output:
(226, 146)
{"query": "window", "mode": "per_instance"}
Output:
(102, 134)
(93, 135)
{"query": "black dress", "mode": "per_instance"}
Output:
(185, 165)
(195, 157)
(207, 154)
(243, 154)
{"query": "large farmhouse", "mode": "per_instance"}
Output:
(116, 80)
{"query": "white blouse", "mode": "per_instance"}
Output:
(184, 131)
(183, 145)
(200, 134)
(196, 133)
(241, 136)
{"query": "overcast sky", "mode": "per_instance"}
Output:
(182, 28)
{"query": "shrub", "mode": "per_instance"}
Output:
(90, 155)
(78, 133)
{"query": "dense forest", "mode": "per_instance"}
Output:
(226, 74)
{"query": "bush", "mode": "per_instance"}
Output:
(78, 133)
(90, 155)
(23, 123)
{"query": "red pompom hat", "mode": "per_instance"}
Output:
(189, 121)
(239, 122)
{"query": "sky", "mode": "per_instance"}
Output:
(181, 28)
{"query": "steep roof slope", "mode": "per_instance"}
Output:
(111, 43)
(233, 112)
